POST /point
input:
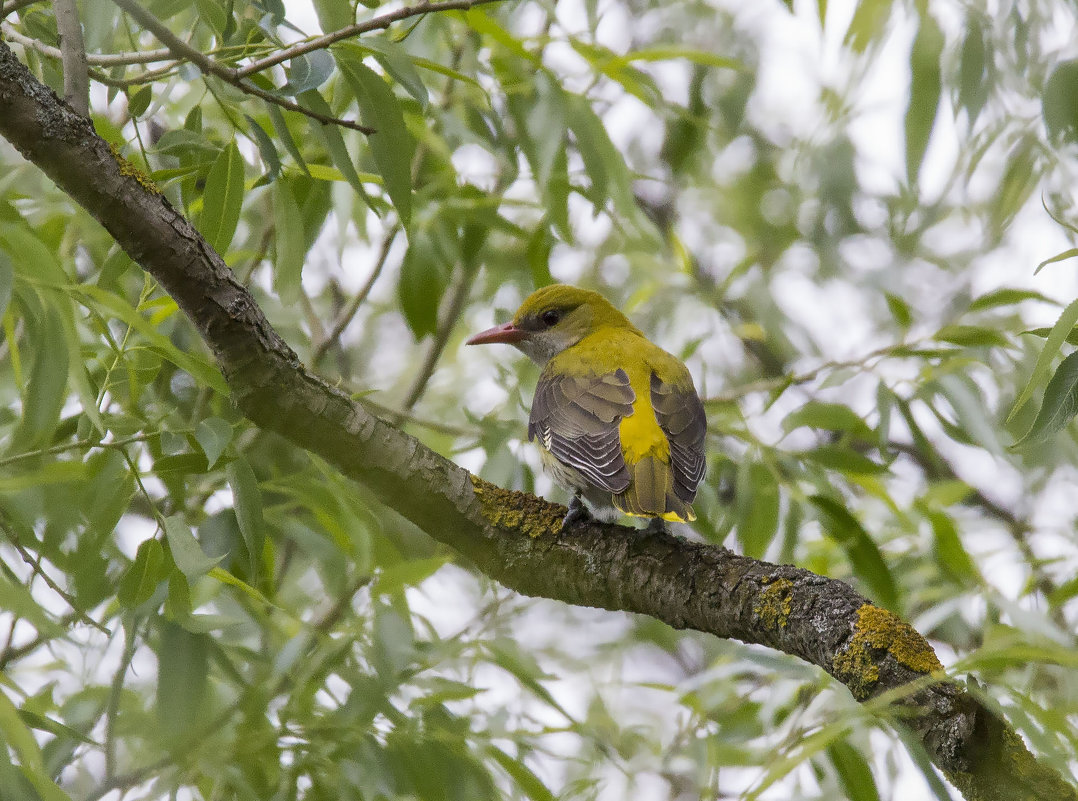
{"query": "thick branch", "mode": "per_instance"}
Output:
(513, 537)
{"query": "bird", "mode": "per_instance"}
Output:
(617, 418)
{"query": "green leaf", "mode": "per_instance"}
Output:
(853, 772)
(971, 336)
(45, 391)
(103, 300)
(266, 148)
(186, 552)
(308, 71)
(423, 281)
(828, 416)
(290, 242)
(1062, 328)
(973, 69)
(391, 143)
(846, 460)
(925, 88)
(603, 162)
(140, 580)
(520, 773)
(331, 136)
(1059, 102)
(7, 282)
(399, 64)
(139, 100)
(868, 22)
(247, 501)
(223, 199)
(900, 310)
(950, 553)
(1008, 297)
(408, 573)
(757, 508)
(215, 14)
(285, 135)
(1070, 253)
(213, 436)
(182, 674)
(1059, 406)
(671, 52)
(867, 561)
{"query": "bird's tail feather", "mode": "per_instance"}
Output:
(651, 493)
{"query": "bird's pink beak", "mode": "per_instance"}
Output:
(507, 333)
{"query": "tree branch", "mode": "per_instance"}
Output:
(209, 66)
(377, 23)
(73, 52)
(513, 537)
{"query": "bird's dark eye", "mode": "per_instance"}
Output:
(550, 317)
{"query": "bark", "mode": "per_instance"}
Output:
(513, 537)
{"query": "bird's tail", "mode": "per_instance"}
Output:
(651, 493)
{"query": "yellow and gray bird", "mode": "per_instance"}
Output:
(617, 418)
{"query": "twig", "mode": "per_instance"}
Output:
(209, 66)
(346, 315)
(8, 527)
(458, 294)
(82, 444)
(93, 59)
(13, 6)
(377, 23)
(73, 50)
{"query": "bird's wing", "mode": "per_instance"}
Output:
(576, 418)
(681, 417)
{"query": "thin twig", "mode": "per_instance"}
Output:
(346, 315)
(83, 444)
(15, 5)
(8, 526)
(93, 59)
(73, 51)
(457, 295)
(229, 75)
(113, 707)
(377, 23)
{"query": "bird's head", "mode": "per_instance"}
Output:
(552, 319)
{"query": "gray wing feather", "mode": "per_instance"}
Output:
(681, 417)
(576, 418)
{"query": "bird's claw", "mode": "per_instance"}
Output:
(578, 513)
(656, 526)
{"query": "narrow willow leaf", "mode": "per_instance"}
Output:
(971, 336)
(1063, 326)
(1070, 253)
(182, 673)
(853, 772)
(391, 143)
(186, 552)
(266, 148)
(141, 579)
(331, 136)
(1008, 297)
(247, 501)
(223, 199)
(290, 244)
(841, 526)
(1059, 406)
(213, 435)
(46, 387)
(757, 508)
(925, 89)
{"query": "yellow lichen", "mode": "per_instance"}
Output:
(775, 604)
(517, 510)
(879, 630)
(129, 170)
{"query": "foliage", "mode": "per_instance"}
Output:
(191, 603)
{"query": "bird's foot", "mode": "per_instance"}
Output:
(578, 513)
(656, 526)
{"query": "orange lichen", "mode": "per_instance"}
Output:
(517, 510)
(131, 171)
(879, 630)
(775, 605)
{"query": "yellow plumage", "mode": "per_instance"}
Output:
(613, 412)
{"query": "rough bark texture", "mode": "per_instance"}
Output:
(512, 537)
